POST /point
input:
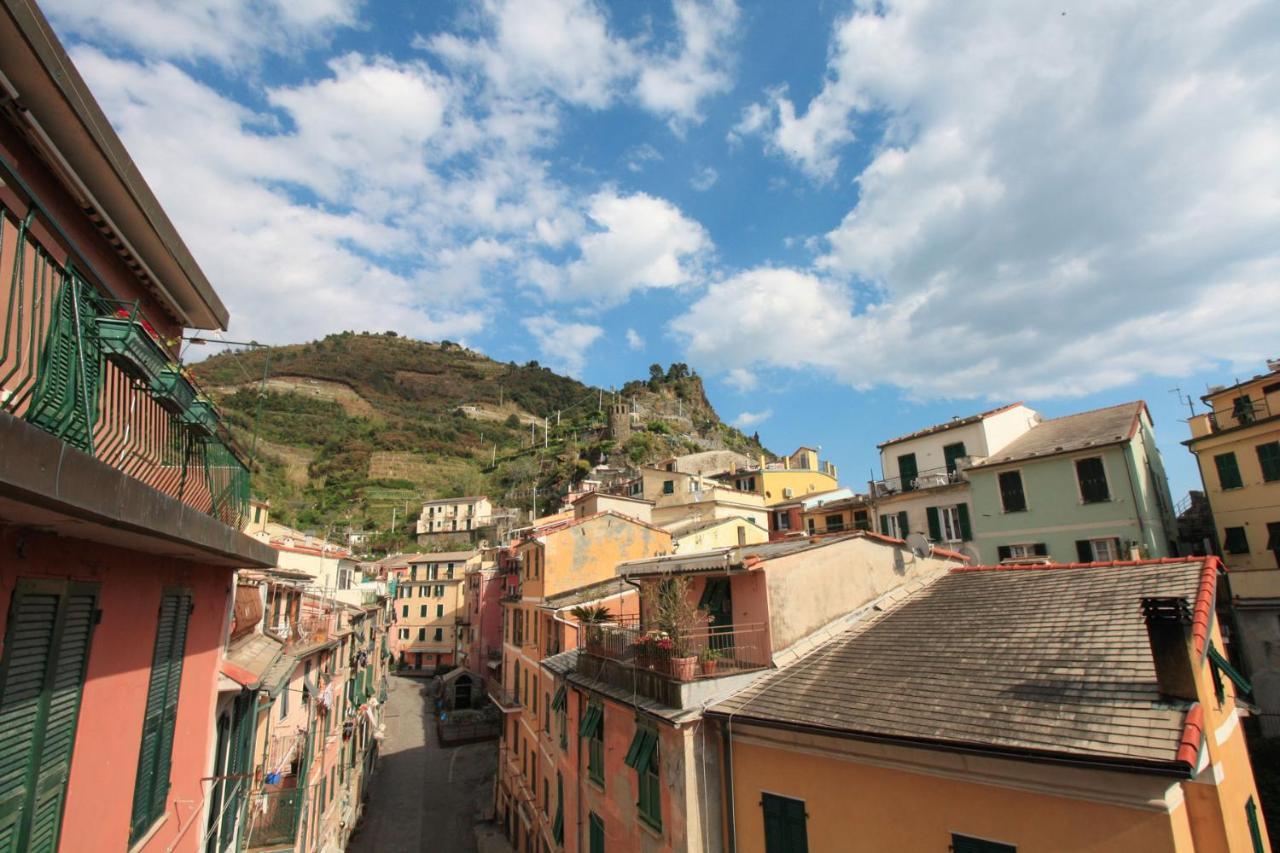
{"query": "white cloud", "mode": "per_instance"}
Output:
(228, 32)
(634, 340)
(705, 179)
(640, 156)
(639, 242)
(747, 420)
(565, 48)
(741, 379)
(563, 345)
(1055, 204)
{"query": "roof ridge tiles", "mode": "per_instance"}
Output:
(1013, 567)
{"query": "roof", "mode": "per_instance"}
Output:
(832, 495)
(467, 500)
(1096, 428)
(1259, 377)
(443, 557)
(278, 674)
(565, 665)
(1051, 661)
(699, 526)
(587, 594)
(565, 523)
(248, 658)
(951, 424)
(59, 102)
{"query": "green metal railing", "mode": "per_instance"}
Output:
(93, 372)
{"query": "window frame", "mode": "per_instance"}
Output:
(1227, 540)
(1235, 469)
(1269, 462)
(783, 803)
(1022, 489)
(1080, 488)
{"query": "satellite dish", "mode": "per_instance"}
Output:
(919, 545)
(972, 553)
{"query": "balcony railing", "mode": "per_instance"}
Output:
(717, 651)
(273, 818)
(501, 697)
(94, 373)
(1241, 413)
(929, 479)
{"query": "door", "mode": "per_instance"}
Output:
(46, 650)
(907, 471)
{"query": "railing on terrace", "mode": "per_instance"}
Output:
(928, 479)
(500, 695)
(718, 650)
(273, 818)
(93, 372)
(1241, 413)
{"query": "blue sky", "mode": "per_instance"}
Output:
(854, 219)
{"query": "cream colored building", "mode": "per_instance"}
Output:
(695, 536)
(454, 516)
(679, 498)
(790, 477)
(429, 601)
(1237, 446)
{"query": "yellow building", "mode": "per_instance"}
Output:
(789, 477)
(552, 560)
(429, 600)
(699, 536)
(998, 710)
(1237, 446)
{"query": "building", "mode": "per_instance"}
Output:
(429, 602)
(554, 560)
(470, 518)
(480, 626)
(1237, 446)
(925, 487)
(999, 709)
(310, 672)
(121, 491)
(681, 498)
(624, 752)
(716, 533)
(791, 476)
(707, 463)
(1085, 487)
(787, 518)
(837, 516)
(595, 502)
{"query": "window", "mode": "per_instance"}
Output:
(546, 716)
(1097, 550)
(404, 611)
(595, 833)
(1255, 830)
(1012, 497)
(952, 452)
(668, 487)
(151, 788)
(439, 610)
(1273, 538)
(907, 471)
(439, 592)
(1022, 551)
(834, 523)
(895, 525)
(785, 829)
(782, 520)
(422, 635)
(861, 520)
(40, 724)
(1092, 477)
(643, 758)
(557, 826)
(422, 612)
(1228, 471)
(592, 728)
(949, 523)
(1242, 410)
(404, 633)
(1235, 541)
(967, 844)
(1269, 461)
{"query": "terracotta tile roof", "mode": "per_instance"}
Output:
(443, 557)
(585, 594)
(1051, 661)
(250, 657)
(937, 428)
(1096, 428)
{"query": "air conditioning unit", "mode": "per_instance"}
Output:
(786, 493)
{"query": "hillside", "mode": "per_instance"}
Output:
(357, 429)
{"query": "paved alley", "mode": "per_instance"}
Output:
(423, 797)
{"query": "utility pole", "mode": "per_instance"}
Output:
(533, 437)
(494, 460)
(546, 432)
(600, 402)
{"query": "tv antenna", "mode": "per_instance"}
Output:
(1184, 398)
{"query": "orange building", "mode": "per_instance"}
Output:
(1000, 709)
(553, 560)
(430, 601)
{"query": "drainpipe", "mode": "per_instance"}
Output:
(726, 757)
(1133, 492)
(579, 774)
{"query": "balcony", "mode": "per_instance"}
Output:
(273, 819)
(932, 478)
(95, 373)
(1243, 413)
(505, 700)
(630, 657)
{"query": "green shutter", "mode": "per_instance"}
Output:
(785, 824)
(904, 526)
(155, 752)
(884, 525)
(596, 836)
(907, 471)
(1269, 460)
(1084, 551)
(1228, 471)
(935, 525)
(46, 651)
(1255, 830)
(965, 844)
(951, 453)
(557, 828)
(966, 531)
(1236, 541)
(65, 400)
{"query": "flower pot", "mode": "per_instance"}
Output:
(682, 669)
(172, 391)
(201, 418)
(129, 346)
(709, 666)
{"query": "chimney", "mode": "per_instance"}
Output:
(1169, 631)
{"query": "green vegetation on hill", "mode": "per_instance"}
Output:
(355, 430)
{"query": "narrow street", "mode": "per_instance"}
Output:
(423, 797)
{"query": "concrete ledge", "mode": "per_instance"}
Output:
(48, 484)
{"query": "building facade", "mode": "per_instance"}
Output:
(1237, 447)
(1085, 487)
(121, 491)
(429, 603)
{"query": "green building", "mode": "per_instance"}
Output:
(1085, 487)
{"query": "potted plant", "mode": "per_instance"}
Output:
(669, 605)
(708, 657)
(591, 617)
